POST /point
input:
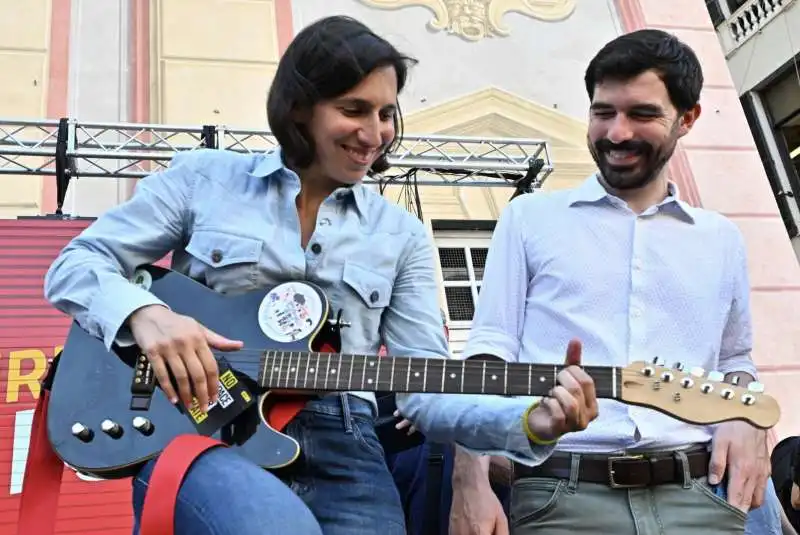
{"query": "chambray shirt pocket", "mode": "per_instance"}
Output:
(223, 260)
(365, 293)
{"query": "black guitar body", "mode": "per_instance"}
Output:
(92, 385)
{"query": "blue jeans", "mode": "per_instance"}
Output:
(766, 520)
(340, 486)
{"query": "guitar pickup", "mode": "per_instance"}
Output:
(143, 384)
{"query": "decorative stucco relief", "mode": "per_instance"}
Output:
(475, 19)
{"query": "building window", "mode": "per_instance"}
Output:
(716, 13)
(462, 273)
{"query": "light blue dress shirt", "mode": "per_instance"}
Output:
(670, 283)
(231, 221)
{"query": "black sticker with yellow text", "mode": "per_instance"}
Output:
(233, 399)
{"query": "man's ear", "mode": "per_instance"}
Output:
(688, 119)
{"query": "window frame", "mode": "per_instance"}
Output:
(465, 240)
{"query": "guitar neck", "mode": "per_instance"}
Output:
(298, 370)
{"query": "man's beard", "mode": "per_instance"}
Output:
(649, 163)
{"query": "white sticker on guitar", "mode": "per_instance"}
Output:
(142, 279)
(290, 312)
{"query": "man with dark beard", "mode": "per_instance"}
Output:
(633, 272)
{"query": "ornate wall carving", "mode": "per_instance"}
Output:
(475, 19)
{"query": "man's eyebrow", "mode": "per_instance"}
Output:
(652, 109)
(601, 106)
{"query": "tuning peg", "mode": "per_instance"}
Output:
(755, 387)
(678, 366)
(735, 380)
(716, 376)
(657, 361)
(697, 371)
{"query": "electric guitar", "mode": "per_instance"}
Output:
(107, 416)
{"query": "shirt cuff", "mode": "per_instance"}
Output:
(111, 308)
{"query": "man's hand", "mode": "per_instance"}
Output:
(740, 450)
(475, 509)
(571, 406)
(179, 343)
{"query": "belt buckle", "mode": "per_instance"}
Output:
(611, 481)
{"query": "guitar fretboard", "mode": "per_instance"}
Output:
(341, 372)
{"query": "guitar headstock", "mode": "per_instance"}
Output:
(696, 397)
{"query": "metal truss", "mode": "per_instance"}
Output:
(68, 149)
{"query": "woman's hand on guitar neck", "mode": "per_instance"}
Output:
(180, 344)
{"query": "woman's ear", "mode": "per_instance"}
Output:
(301, 115)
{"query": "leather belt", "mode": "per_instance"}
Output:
(623, 471)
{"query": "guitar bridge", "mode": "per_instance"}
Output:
(143, 384)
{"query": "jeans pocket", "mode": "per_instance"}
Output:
(533, 498)
(364, 434)
(702, 486)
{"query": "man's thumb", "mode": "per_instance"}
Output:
(574, 349)
(218, 341)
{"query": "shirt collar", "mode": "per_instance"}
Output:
(591, 192)
(270, 163)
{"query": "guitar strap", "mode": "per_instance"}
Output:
(158, 512)
(44, 470)
(41, 485)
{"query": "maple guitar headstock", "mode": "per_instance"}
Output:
(696, 397)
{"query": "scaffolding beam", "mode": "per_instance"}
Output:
(120, 150)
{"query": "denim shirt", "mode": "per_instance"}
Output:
(231, 223)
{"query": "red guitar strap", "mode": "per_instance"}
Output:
(44, 470)
(158, 512)
(41, 485)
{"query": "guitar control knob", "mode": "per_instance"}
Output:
(81, 432)
(111, 428)
(143, 425)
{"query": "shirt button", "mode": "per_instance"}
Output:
(216, 256)
(373, 297)
(316, 248)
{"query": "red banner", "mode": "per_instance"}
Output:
(30, 332)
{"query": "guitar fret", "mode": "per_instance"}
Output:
(483, 378)
(614, 381)
(444, 374)
(305, 376)
(339, 373)
(391, 376)
(408, 376)
(505, 378)
(463, 368)
(352, 360)
(425, 376)
(364, 376)
(315, 371)
(327, 370)
(378, 373)
(530, 377)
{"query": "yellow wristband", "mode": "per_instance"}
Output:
(531, 435)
